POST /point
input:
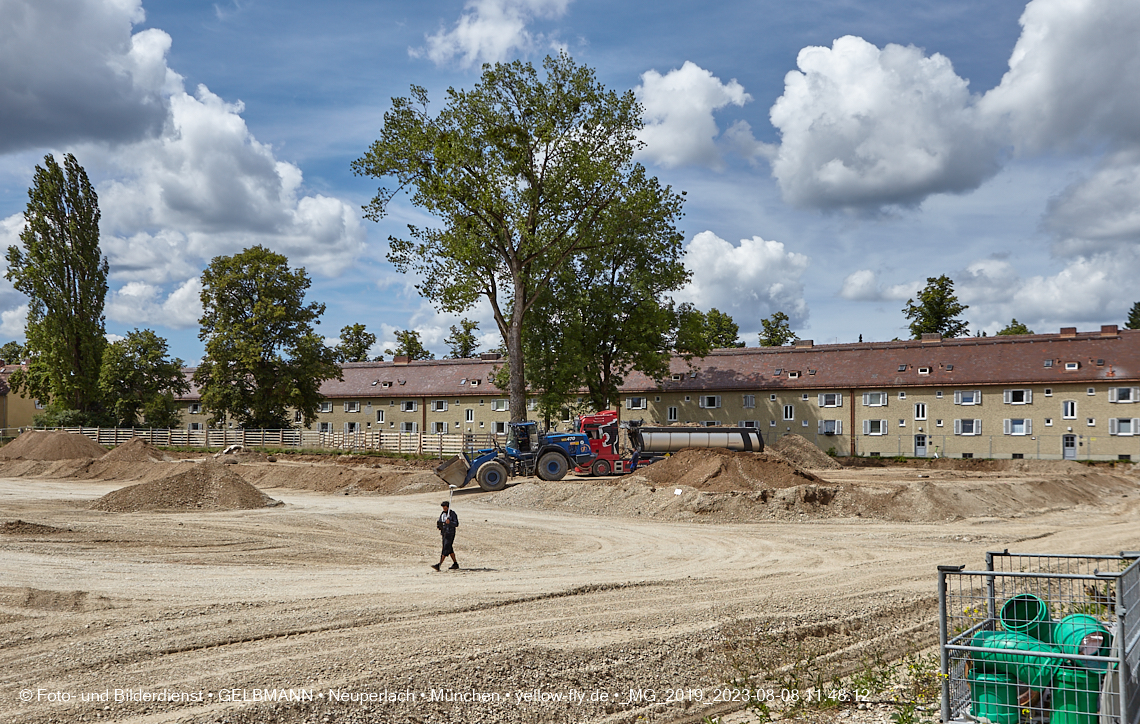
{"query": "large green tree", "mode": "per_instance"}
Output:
(64, 275)
(1014, 327)
(723, 332)
(1133, 317)
(355, 341)
(776, 331)
(519, 172)
(140, 381)
(263, 359)
(463, 344)
(12, 352)
(408, 345)
(937, 311)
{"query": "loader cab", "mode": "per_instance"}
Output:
(522, 437)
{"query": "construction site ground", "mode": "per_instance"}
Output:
(585, 600)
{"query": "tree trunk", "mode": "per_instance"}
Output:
(516, 387)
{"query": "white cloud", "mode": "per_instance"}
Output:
(749, 281)
(864, 286)
(490, 31)
(679, 124)
(13, 321)
(138, 303)
(1101, 211)
(867, 127)
(70, 71)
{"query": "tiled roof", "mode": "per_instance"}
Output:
(1109, 355)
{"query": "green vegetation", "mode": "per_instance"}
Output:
(463, 344)
(408, 345)
(1133, 317)
(775, 331)
(937, 310)
(355, 341)
(1015, 327)
(140, 382)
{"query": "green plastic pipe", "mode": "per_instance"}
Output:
(1036, 672)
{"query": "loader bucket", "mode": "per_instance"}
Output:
(453, 471)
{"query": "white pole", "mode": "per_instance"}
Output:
(450, 496)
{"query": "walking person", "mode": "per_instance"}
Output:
(447, 523)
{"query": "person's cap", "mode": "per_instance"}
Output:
(446, 504)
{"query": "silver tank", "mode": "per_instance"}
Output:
(672, 439)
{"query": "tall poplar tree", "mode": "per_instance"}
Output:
(64, 275)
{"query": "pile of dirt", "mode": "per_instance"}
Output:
(20, 527)
(137, 450)
(207, 485)
(57, 445)
(798, 450)
(725, 471)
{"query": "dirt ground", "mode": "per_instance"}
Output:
(583, 588)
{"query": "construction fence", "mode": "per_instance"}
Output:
(424, 444)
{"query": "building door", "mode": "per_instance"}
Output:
(1069, 447)
(920, 446)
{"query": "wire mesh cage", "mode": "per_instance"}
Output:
(1041, 638)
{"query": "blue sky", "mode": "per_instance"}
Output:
(835, 154)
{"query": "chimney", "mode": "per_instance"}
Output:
(804, 343)
(400, 359)
(490, 356)
(931, 337)
(1108, 330)
(1067, 332)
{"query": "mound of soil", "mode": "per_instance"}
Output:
(205, 486)
(798, 450)
(20, 527)
(725, 471)
(137, 450)
(57, 445)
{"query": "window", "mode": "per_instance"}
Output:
(749, 402)
(409, 427)
(902, 368)
(531, 404)
(676, 377)
(1090, 391)
(324, 427)
(874, 427)
(297, 416)
(690, 399)
(967, 397)
(194, 426)
(902, 422)
(1017, 426)
(352, 407)
(636, 403)
(1070, 366)
(1123, 394)
(1048, 422)
(1048, 391)
(379, 416)
(874, 399)
(749, 423)
(804, 397)
(830, 427)
(1123, 426)
(475, 383)
(902, 395)
(967, 427)
(500, 405)
(1069, 409)
(469, 415)
(709, 401)
(772, 398)
(500, 428)
(351, 428)
(671, 414)
(938, 394)
(967, 456)
(771, 423)
(1048, 363)
(789, 412)
(710, 423)
(195, 407)
(793, 375)
(923, 370)
(830, 399)
(1090, 421)
(1017, 397)
(920, 410)
(409, 406)
(439, 427)
(439, 405)
(657, 398)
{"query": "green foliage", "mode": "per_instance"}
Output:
(937, 310)
(263, 358)
(463, 343)
(140, 382)
(1133, 317)
(723, 332)
(64, 275)
(408, 345)
(355, 341)
(521, 172)
(1015, 327)
(12, 352)
(775, 331)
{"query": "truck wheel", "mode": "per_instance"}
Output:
(601, 467)
(552, 466)
(492, 476)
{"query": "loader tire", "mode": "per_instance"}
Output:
(552, 466)
(492, 476)
(600, 468)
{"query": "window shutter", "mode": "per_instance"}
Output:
(346, 407)
(1136, 425)
(839, 399)
(1135, 393)
(1006, 426)
(701, 401)
(1112, 395)
(883, 427)
(1113, 426)
(821, 399)
(977, 397)
(839, 427)
(819, 426)
(1028, 426)
(1005, 396)
(957, 426)
(718, 401)
(977, 427)
(866, 399)
(866, 427)
(629, 403)
(957, 399)
(1029, 397)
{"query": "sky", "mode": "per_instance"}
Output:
(834, 153)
